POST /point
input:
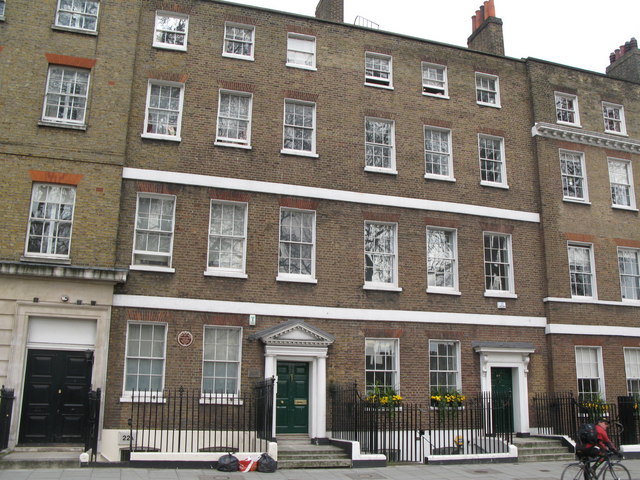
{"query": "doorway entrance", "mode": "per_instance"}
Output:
(502, 399)
(55, 400)
(292, 399)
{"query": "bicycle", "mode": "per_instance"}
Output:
(604, 469)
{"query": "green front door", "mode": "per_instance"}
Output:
(502, 399)
(292, 400)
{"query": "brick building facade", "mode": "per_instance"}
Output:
(384, 210)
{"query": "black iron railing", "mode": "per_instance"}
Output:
(93, 420)
(6, 409)
(180, 420)
(409, 431)
(562, 414)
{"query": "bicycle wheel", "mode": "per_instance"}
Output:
(575, 471)
(616, 471)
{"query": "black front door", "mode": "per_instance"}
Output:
(54, 408)
(292, 400)
(502, 399)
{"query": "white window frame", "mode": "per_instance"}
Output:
(506, 266)
(289, 242)
(617, 184)
(299, 127)
(148, 395)
(632, 371)
(378, 344)
(78, 15)
(251, 42)
(170, 31)
(374, 143)
(629, 270)
(563, 110)
(448, 154)
(434, 80)
(451, 259)
(609, 113)
(135, 265)
(586, 371)
(2, 7)
(374, 75)
(166, 111)
(228, 141)
(488, 86)
(502, 162)
(67, 97)
(570, 179)
(455, 344)
(392, 254)
(230, 236)
(294, 42)
(213, 397)
(575, 272)
(50, 235)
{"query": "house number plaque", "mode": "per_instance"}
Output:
(185, 338)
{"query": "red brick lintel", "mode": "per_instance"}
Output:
(302, 203)
(70, 61)
(55, 177)
(579, 237)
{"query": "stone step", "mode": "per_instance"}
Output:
(549, 457)
(310, 455)
(30, 459)
(317, 463)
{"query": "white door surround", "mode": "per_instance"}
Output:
(513, 355)
(296, 340)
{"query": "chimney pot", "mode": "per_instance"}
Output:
(482, 13)
(633, 43)
(473, 23)
(490, 8)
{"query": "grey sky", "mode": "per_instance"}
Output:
(579, 33)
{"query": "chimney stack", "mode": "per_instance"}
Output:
(332, 10)
(486, 28)
(625, 62)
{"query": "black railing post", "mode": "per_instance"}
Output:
(629, 418)
(6, 409)
(93, 419)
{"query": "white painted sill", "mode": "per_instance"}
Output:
(381, 287)
(225, 273)
(145, 268)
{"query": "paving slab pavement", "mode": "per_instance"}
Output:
(481, 471)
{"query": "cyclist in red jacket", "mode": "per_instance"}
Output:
(603, 445)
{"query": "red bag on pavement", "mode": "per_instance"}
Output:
(248, 465)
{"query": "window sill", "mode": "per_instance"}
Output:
(435, 95)
(443, 291)
(299, 153)
(576, 200)
(219, 143)
(152, 136)
(388, 171)
(584, 299)
(499, 294)
(214, 399)
(503, 186)
(143, 397)
(51, 260)
(175, 48)
(2, 19)
(225, 273)
(382, 287)
(301, 67)
(491, 105)
(148, 268)
(238, 57)
(296, 279)
(623, 207)
(70, 126)
(375, 85)
(619, 134)
(441, 178)
(631, 302)
(74, 30)
(569, 124)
